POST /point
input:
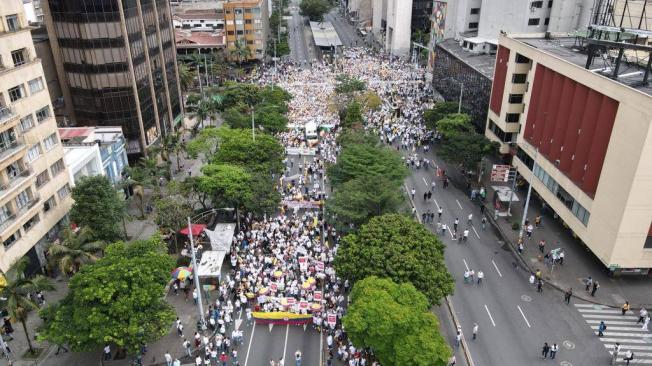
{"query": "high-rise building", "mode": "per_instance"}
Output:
(34, 184)
(116, 62)
(247, 22)
(580, 131)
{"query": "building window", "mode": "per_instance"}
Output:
(537, 4)
(12, 239)
(34, 152)
(16, 93)
(247, 10)
(42, 178)
(7, 140)
(519, 78)
(475, 10)
(35, 85)
(64, 191)
(547, 21)
(50, 141)
(43, 113)
(18, 57)
(49, 204)
(520, 59)
(12, 22)
(5, 214)
(26, 123)
(473, 25)
(550, 4)
(562, 195)
(502, 135)
(533, 21)
(512, 117)
(31, 222)
(230, 33)
(57, 167)
(248, 21)
(516, 98)
(525, 158)
(22, 199)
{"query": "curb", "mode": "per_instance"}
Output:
(449, 303)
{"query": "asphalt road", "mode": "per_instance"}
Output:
(300, 51)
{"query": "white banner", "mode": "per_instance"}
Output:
(301, 150)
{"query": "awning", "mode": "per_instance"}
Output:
(222, 237)
(211, 263)
(196, 229)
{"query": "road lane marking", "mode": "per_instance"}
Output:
(459, 204)
(628, 329)
(285, 347)
(465, 265)
(425, 182)
(524, 318)
(251, 337)
(436, 203)
(490, 317)
(476, 233)
(451, 232)
(496, 267)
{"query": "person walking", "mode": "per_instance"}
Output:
(465, 235)
(601, 328)
(614, 353)
(625, 307)
(629, 356)
(443, 229)
(588, 283)
(455, 223)
(540, 286)
(469, 220)
(458, 337)
(641, 314)
(480, 277)
(168, 358)
(483, 221)
(297, 357)
(439, 212)
(542, 245)
(107, 352)
(646, 321)
(596, 285)
(475, 330)
(553, 351)
(413, 192)
(544, 350)
(567, 295)
(187, 347)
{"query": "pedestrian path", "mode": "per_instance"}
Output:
(621, 329)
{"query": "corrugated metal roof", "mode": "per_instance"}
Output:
(324, 34)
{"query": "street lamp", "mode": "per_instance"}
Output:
(195, 275)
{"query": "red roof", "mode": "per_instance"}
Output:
(69, 133)
(199, 39)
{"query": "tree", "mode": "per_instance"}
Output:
(466, 149)
(117, 300)
(186, 77)
(399, 248)
(394, 321)
(439, 111)
(362, 198)
(15, 295)
(237, 147)
(240, 51)
(371, 101)
(171, 214)
(227, 184)
(98, 207)
(314, 9)
(205, 143)
(75, 250)
(366, 160)
(270, 119)
(357, 137)
(455, 124)
(353, 116)
(347, 84)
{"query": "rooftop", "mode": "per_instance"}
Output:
(484, 63)
(570, 49)
(324, 34)
(89, 135)
(208, 14)
(188, 39)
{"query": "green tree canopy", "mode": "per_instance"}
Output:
(118, 300)
(353, 116)
(399, 248)
(236, 146)
(362, 198)
(226, 184)
(98, 207)
(356, 137)
(348, 84)
(206, 142)
(439, 111)
(455, 124)
(393, 320)
(466, 149)
(358, 160)
(172, 212)
(314, 9)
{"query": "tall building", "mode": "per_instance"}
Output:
(579, 128)
(247, 22)
(116, 62)
(34, 184)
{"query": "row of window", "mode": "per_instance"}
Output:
(539, 4)
(502, 135)
(564, 197)
(48, 205)
(35, 151)
(243, 32)
(239, 11)
(19, 92)
(12, 22)
(537, 21)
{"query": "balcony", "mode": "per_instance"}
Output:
(19, 213)
(16, 180)
(6, 114)
(12, 148)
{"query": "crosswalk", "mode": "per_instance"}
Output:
(621, 329)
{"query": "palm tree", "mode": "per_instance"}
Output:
(241, 51)
(203, 111)
(16, 293)
(215, 103)
(186, 77)
(75, 250)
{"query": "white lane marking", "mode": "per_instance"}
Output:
(459, 204)
(496, 267)
(488, 313)
(627, 329)
(601, 311)
(612, 317)
(436, 203)
(425, 182)
(622, 340)
(476, 233)
(626, 346)
(465, 265)
(251, 337)
(524, 318)
(608, 322)
(584, 305)
(618, 334)
(285, 347)
(637, 354)
(451, 232)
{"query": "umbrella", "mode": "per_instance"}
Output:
(263, 291)
(196, 229)
(181, 273)
(278, 274)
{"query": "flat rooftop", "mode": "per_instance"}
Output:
(324, 34)
(570, 49)
(484, 63)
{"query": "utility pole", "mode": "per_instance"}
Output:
(196, 276)
(529, 193)
(459, 105)
(511, 195)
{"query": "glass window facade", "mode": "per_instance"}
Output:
(564, 197)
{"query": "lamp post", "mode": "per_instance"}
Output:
(200, 305)
(529, 194)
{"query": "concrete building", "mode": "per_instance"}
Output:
(581, 134)
(110, 143)
(201, 20)
(247, 23)
(33, 11)
(34, 184)
(116, 62)
(82, 161)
